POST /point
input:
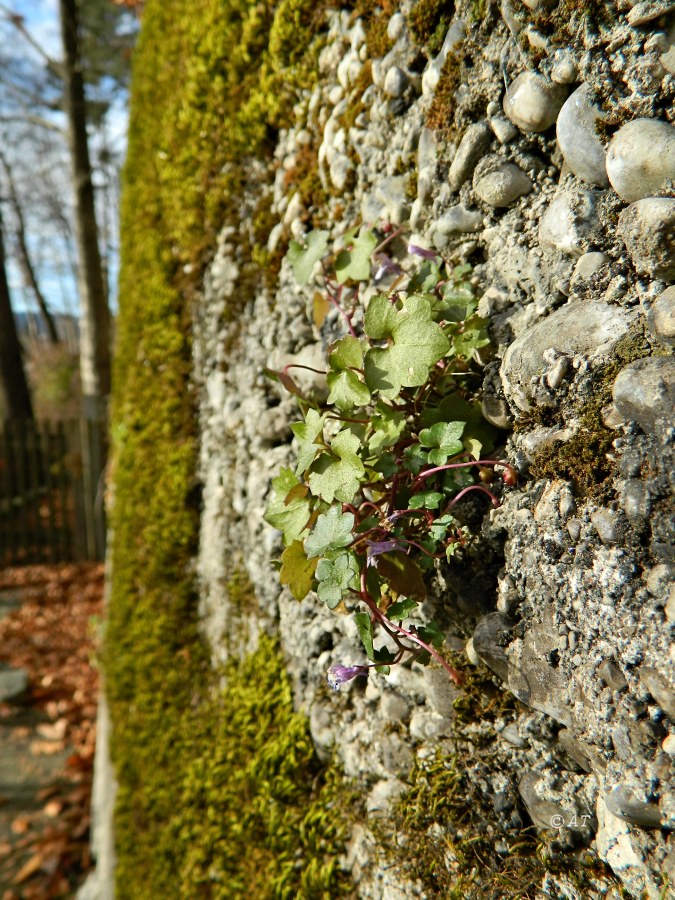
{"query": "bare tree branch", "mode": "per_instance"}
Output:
(17, 21)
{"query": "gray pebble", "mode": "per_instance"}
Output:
(512, 735)
(658, 578)
(474, 142)
(647, 228)
(13, 683)
(658, 686)
(622, 802)
(635, 500)
(504, 130)
(587, 265)
(499, 183)
(578, 139)
(641, 159)
(532, 102)
(564, 69)
(568, 220)
(648, 10)
(395, 82)
(661, 317)
(644, 391)
(612, 675)
(459, 219)
(605, 523)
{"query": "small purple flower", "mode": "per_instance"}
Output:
(375, 548)
(386, 266)
(421, 251)
(339, 675)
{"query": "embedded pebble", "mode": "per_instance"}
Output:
(459, 219)
(612, 675)
(644, 391)
(669, 744)
(589, 328)
(587, 265)
(568, 220)
(564, 69)
(396, 26)
(661, 317)
(648, 10)
(647, 228)
(635, 500)
(499, 183)
(432, 74)
(658, 686)
(641, 159)
(474, 142)
(622, 802)
(532, 102)
(395, 82)
(578, 139)
(557, 372)
(503, 129)
(605, 523)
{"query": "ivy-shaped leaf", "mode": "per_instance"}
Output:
(440, 526)
(431, 634)
(417, 345)
(354, 263)
(335, 577)
(346, 388)
(332, 531)
(297, 571)
(383, 655)
(380, 318)
(414, 458)
(388, 427)
(289, 516)
(338, 475)
(306, 434)
(302, 259)
(445, 437)
(401, 609)
(402, 574)
(472, 337)
(426, 500)
(365, 627)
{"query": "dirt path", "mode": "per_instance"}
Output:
(47, 644)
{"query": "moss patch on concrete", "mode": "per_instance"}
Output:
(220, 793)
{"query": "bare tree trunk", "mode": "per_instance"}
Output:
(13, 384)
(24, 254)
(94, 312)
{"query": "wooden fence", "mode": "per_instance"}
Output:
(51, 491)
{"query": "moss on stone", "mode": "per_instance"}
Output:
(429, 21)
(207, 91)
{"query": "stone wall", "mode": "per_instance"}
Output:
(537, 143)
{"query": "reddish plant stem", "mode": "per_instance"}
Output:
(388, 623)
(460, 465)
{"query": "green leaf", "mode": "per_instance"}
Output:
(388, 426)
(347, 390)
(426, 500)
(418, 344)
(355, 263)
(302, 259)
(338, 476)
(332, 531)
(347, 353)
(402, 574)
(432, 634)
(289, 516)
(365, 626)
(380, 318)
(296, 570)
(440, 527)
(401, 610)
(306, 434)
(383, 655)
(445, 437)
(472, 337)
(414, 458)
(335, 576)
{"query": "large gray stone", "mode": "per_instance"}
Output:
(532, 102)
(641, 159)
(589, 329)
(578, 138)
(647, 228)
(644, 391)
(499, 183)
(475, 141)
(568, 220)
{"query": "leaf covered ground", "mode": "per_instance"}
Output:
(47, 736)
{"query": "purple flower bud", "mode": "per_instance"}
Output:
(375, 548)
(338, 675)
(421, 251)
(386, 265)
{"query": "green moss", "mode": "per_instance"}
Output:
(207, 91)
(585, 459)
(429, 21)
(441, 109)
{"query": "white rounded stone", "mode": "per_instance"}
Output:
(499, 183)
(587, 265)
(567, 221)
(532, 102)
(395, 82)
(641, 159)
(578, 139)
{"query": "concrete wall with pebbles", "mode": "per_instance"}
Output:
(555, 179)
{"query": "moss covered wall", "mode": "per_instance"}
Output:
(219, 793)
